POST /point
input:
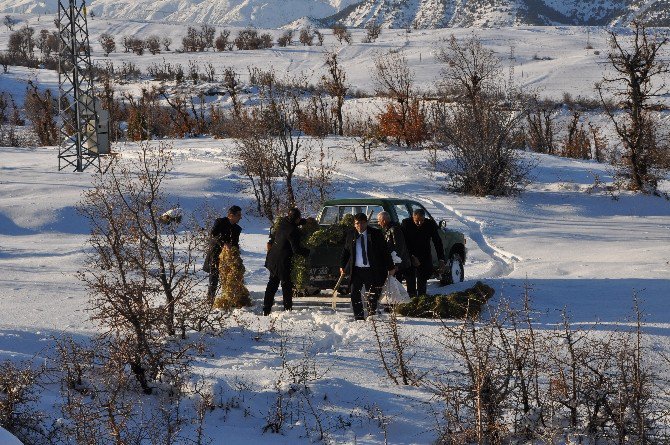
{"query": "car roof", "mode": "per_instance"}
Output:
(368, 201)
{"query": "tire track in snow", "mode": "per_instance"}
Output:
(503, 261)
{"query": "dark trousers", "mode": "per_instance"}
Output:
(417, 278)
(359, 277)
(213, 284)
(271, 290)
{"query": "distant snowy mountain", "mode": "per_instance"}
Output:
(357, 13)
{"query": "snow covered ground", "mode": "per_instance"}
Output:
(567, 239)
(577, 248)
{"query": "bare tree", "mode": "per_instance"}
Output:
(306, 36)
(153, 44)
(640, 71)
(223, 41)
(373, 31)
(285, 39)
(9, 22)
(478, 130)
(166, 42)
(335, 85)
(341, 33)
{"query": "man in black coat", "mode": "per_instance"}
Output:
(395, 242)
(285, 243)
(367, 261)
(419, 231)
(225, 231)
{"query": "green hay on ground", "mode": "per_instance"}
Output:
(460, 304)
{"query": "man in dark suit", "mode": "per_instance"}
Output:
(225, 231)
(367, 261)
(285, 243)
(419, 231)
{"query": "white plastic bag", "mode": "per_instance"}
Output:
(393, 292)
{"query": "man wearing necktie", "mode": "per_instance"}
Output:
(367, 262)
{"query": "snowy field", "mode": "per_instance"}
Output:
(578, 249)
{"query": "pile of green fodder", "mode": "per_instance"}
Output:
(461, 304)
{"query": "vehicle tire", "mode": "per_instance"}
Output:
(455, 272)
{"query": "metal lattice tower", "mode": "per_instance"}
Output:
(81, 139)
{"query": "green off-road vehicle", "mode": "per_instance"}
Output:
(324, 260)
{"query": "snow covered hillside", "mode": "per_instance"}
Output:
(357, 13)
(549, 60)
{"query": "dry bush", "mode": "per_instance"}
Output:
(104, 405)
(107, 43)
(577, 143)
(540, 126)
(41, 110)
(403, 119)
(142, 288)
(512, 382)
(367, 137)
(19, 393)
(396, 349)
(234, 294)
(411, 128)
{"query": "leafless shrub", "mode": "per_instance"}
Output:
(19, 393)
(366, 135)
(540, 126)
(41, 110)
(577, 142)
(142, 287)
(514, 382)
(395, 349)
(107, 43)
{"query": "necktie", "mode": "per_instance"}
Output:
(363, 249)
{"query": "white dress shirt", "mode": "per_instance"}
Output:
(362, 238)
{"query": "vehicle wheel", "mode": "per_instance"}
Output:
(455, 270)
